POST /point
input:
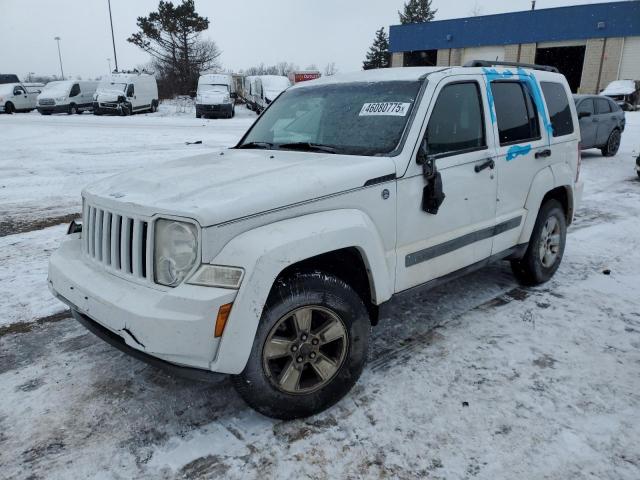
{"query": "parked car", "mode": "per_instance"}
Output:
(66, 96)
(626, 93)
(126, 93)
(216, 96)
(602, 122)
(267, 89)
(270, 261)
(15, 97)
(303, 76)
(638, 164)
(8, 78)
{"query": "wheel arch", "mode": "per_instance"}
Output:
(322, 241)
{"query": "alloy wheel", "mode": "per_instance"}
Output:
(305, 350)
(549, 242)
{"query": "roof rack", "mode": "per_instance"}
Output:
(489, 63)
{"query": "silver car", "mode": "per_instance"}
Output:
(602, 122)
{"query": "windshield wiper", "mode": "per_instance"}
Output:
(311, 147)
(260, 145)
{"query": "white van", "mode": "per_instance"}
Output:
(126, 93)
(66, 96)
(250, 86)
(267, 90)
(216, 96)
(16, 97)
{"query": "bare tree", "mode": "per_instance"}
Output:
(476, 11)
(330, 69)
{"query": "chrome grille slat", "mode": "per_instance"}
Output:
(120, 243)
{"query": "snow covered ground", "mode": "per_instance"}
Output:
(480, 378)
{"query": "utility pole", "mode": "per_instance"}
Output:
(57, 39)
(113, 39)
(533, 4)
(109, 60)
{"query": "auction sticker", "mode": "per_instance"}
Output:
(393, 109)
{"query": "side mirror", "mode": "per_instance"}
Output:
(234, 95)
(582, 115)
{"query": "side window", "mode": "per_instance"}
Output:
(130, 90)
(614, 106)
(558, 106)
(603, 106)
(18, 91)
(586, 106)
(457, 121)
(75, 90)
(516, 113)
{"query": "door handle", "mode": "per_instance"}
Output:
(543, 153)
(488, 163)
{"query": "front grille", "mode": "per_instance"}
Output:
(47, 101)
(120, 243)
(109, 105)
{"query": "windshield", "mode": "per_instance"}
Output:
(213, 88)
(111, 87)
(350, 118)
(57, 88)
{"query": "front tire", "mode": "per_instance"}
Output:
(73, 109)
(546, 247)
(613, 144)
(310, 347)
(9, 108)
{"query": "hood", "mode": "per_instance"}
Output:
(620, 87)
(212, 98)
(219, 187)
(109, 95)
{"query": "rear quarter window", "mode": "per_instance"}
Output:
(603, 105)
(558, 106)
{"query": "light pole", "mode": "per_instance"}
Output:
(113, 40)
(57, 39)
(109, 60)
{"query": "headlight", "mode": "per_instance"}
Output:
(217, 276)
(227, 99)
(176, 251)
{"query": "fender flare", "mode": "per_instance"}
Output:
(539, 188)
(266, 251)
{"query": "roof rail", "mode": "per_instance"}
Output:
(489, 63)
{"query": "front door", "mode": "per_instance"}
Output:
(20, 98)
(460, 234)
(588, 123)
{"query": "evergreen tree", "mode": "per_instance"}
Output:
(172, 36)
(378, 55)
(417, 11)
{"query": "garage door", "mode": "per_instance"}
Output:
(483, 53)
(630, 65)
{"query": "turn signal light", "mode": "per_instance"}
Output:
(221, 321)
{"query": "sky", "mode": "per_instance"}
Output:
(249, 32)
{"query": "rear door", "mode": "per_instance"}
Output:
(523, 150)
(588, 123)
(460, 234)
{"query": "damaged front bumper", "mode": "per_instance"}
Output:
(174, 325)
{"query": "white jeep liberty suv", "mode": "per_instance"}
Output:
(271, 260)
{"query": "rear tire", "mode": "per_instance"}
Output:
(310, 347)
(546, 247)
(613, 144)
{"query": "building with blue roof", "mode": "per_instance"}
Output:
(592, 45)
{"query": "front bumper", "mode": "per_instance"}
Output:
(221, 109)
(175, 325)
(53, 109)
